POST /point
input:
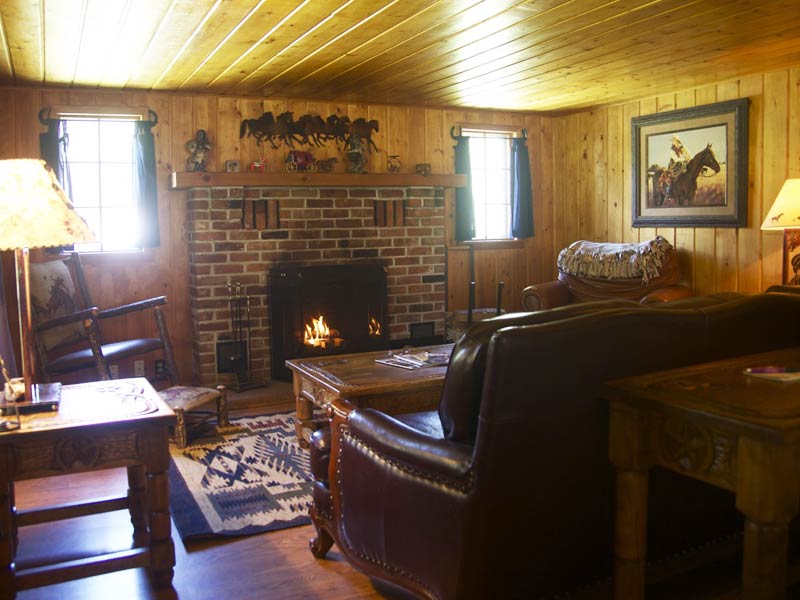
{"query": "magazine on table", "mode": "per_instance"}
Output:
(415, 360)
(775, 373)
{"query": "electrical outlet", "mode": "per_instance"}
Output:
(161, 367)
(138, 368)
(114, 371)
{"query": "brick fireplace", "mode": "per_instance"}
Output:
(237, 234)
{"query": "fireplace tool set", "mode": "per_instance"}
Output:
(233, 355)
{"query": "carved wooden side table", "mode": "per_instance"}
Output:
(99, 425)
(716, 424)
(357, 381)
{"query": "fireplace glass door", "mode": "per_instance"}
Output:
(326, 309)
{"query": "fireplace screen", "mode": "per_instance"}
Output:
(326, 309)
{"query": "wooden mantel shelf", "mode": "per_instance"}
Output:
(187, 180)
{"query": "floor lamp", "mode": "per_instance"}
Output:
(34, 213)
(785, 216)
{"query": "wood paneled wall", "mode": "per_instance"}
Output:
(581, 167)
(416, 134)
(592, 181)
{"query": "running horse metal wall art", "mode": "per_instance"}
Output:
(308, 130)
(682, 188)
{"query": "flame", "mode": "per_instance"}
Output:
(318, 333)
(374, 326)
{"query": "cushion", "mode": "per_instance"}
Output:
(53, 295)
(187, 397)
(615, 261)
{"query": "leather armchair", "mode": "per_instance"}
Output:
(506, 490)
(590, 271)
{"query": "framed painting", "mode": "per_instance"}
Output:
(690, 167)
(791, 257)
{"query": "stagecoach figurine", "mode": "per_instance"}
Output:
(298, 160)
(198, 148)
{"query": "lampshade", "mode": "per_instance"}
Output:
(785, 211)
(34, 210)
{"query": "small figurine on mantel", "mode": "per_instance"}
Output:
(356, 155)
(199, 149)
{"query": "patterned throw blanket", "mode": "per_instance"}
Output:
(615, 261)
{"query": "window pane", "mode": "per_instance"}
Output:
(116, 184)
(101, 164)
(119, 228)
(115, 141)
(82, 141)
(85, 184)
(92, 218)
(490, 155)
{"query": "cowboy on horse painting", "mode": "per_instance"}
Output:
(676, 184)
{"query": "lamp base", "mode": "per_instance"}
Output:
(791, 257)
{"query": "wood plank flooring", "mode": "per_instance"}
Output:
(275, 565)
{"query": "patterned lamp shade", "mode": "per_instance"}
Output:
(785, 211)
(34, 210)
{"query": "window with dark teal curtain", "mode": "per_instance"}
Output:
(53, 145)
(144, 182)
(509, 177)
(465, 217)
(521, 189)
(101, 146)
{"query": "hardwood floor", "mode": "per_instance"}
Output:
(275, 565)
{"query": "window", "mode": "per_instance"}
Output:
(100, 157)
(490, 164)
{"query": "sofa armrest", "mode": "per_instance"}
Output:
(542, 296)
(667, 294)
(397, 442)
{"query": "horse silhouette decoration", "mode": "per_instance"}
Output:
(308, 129)
(682, 188)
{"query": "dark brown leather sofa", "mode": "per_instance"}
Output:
(506, 490)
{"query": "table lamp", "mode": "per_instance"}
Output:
(34, 213)
(785, 216)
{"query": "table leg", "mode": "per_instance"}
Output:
(162, 549)
(7, 541)
(764, 561)
(630, 534)
(305, 419)
(767, 493)
(137, 502)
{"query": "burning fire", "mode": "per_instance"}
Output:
(374, 326)
(319, 335)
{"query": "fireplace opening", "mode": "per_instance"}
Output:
(318, 310)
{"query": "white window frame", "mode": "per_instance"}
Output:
(491, 183)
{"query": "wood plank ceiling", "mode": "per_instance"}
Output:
(533, 55)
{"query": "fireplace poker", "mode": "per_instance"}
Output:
(500, 287)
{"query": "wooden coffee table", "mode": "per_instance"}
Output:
(357, 381)
(99, 425)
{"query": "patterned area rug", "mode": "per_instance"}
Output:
(250, 478)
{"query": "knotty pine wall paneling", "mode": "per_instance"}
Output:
(417, 134)
(712, 259)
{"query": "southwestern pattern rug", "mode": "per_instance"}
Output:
(249, 478)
